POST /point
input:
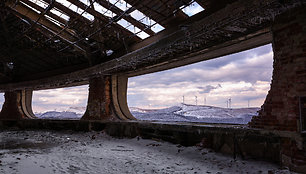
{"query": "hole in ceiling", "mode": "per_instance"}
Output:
(132, 28)
(120, 4)
(60, 14)
(76, 9)
(99, 8)
(192, 9)
(139, 16)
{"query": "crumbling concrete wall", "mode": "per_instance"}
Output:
(281, 108)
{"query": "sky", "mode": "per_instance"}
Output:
(242, 77)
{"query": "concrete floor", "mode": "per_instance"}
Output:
(28, 152)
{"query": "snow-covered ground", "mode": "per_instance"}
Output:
(69, 113)
(50, 152)
(188, 113)
(208, 114)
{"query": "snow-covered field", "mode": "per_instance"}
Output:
(188, 113)
(50, 152)
(70, 113)
(208, 114)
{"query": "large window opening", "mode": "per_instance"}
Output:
(1, 100)
(228, 89)
(61, 103)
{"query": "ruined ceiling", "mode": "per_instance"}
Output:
(42, 38)
(53, 43)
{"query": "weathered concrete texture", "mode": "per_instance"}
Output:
(11, 109)
(235, 140)
(281, 108)
(99, 105)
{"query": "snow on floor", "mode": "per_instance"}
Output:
(43, 152)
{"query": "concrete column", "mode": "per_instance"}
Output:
(119, 96)
(99, 105)
(280, 110)
(17, 105)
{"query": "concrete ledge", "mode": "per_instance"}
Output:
(236, 140)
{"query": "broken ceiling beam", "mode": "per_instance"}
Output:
(201, 40)
(127, 16)
(48, 25)
(105, 21)
(37, 7)
(112, 21)
(166, 13)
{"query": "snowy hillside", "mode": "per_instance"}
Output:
(208, 114)
(188, 113)
(70, 113)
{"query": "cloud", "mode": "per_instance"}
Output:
(208, 88)
(243, 76)
(60, 99)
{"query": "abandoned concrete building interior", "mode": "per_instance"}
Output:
(48, 44)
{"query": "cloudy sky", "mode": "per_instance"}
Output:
(243, 77)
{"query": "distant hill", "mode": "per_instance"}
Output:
(184, 113)
(70, 113)
(192, 113)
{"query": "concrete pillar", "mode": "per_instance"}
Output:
(119, 96)
(17, 105)
(99, 105)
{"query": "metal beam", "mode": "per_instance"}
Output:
(48, 25)
(249, 20)
(127, 17)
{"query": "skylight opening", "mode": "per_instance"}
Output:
(157, 28)
(142, 35)
(76, 9)
(86, 2)
(109, 52)
(121, 4)
(60, 14)
(192, 9)
(30, 7)
(40, 3)
(99, 8)
(58, 23)
(132, 28)
(139, 16)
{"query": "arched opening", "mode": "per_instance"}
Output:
(229, 89)
(61, 103)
